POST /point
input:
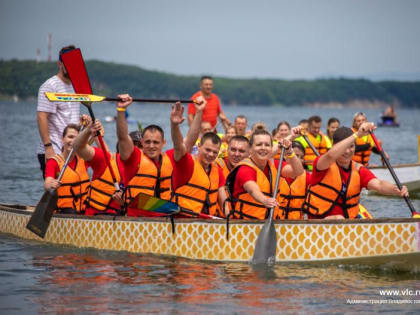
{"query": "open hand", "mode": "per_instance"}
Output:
(177, 113)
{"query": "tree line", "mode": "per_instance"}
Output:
(23, 79)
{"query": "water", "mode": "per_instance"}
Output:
(39, 278)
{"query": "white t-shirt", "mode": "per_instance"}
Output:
(61, 113)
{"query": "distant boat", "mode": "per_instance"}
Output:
(110, 119)
(387, 121)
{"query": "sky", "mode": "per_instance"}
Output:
(295, 39)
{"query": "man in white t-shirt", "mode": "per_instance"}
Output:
(53, 117)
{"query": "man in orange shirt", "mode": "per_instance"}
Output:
(213, 108)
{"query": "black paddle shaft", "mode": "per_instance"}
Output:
(391, 170)
(149, 100)
(311, 145)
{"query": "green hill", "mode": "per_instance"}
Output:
(23, 78)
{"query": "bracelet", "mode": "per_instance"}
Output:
(355, 135)
(48, 144)
(291, 155)
(120, 109)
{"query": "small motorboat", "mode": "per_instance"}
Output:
(387, 121)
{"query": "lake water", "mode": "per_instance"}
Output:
(39, 278)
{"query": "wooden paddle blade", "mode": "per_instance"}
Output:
(154, 204)
(72, 97)
(265, 247)
(40, 219)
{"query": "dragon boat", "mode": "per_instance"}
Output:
(393, 243)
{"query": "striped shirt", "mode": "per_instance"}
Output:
(60, 113)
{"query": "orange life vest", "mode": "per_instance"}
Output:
(244, 204)
(322, 197)
(74, 186)
(201, 192)
(223, 165)
(363, 157)
(320, 146)
(291, 198)
(102, 188)
(150, 180)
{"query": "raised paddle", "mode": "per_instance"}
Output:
(73, 97)
(40, 219)
(414, 213)
(76, 69)
(265, 247)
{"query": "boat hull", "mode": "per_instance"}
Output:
(393, 242)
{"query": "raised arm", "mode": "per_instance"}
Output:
(81, 143)
(294, 168)
(340, 148)
(176, 119)
(195, 125)
(125, 144)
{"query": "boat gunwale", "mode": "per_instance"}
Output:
(11, 209)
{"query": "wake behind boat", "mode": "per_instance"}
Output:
(392, 243)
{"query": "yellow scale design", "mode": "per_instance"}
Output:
(201, 239)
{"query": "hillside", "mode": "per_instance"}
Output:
(23, 78)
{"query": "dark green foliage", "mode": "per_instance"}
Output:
(23, 78)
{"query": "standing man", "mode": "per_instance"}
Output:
(318, 140)
(53, 117)
(213, 108)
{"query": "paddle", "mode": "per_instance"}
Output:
(414, 213)
(265, 248)
(76, 69)
(40, 219)
(73, 97)
(154, 204)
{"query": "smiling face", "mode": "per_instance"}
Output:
(237, 151)
(68, 139)
(208, 152)
(345, 159)
(261, 148)
(153, 144)
(283, 131)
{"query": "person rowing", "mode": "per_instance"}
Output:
(337, 180)
(238, 149)
(364, 145)
(251, 184)
(148, 170)
(73, 187)
(103, 197)
(318, 140)
(197, 181)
